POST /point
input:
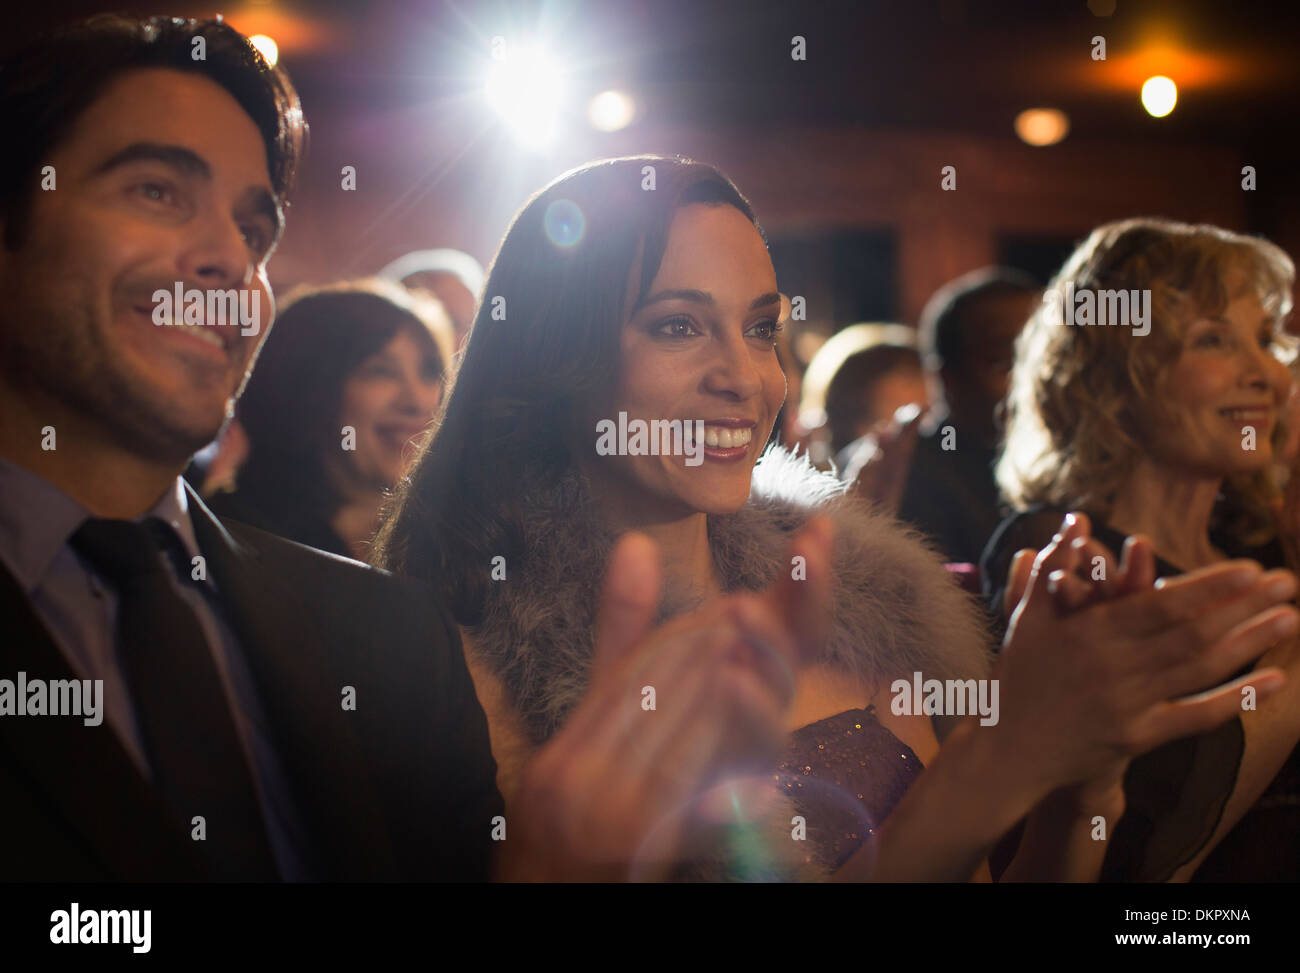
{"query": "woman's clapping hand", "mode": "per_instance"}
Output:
(1094, 674)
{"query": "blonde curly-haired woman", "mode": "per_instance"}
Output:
(1169, 423)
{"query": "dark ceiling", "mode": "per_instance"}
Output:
(955, 65)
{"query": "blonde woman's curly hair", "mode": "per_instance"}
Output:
(1077, 392)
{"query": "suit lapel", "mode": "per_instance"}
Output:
(92, 783)
(300, 691)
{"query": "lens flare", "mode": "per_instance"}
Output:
(564, 223)
(1042, 126)
(611, 110)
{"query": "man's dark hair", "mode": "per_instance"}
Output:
(943, 334)
(50, 82)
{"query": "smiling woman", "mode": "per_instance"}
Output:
(665, 312)
(1175, 433)
(349, 377)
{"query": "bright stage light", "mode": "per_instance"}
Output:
(611, 110)
(1159, 95)
(268, 48)
(526, 88)
(1042, 126)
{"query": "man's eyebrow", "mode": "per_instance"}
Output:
(190, 163)
(170, 155)
(701, 297)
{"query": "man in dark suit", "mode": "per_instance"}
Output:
(260, 710)
(400, 786)
(351, 744)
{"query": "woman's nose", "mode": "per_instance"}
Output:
(419, 395)
(734, 372)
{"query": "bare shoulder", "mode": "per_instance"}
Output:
(917, 731)
(824, 691)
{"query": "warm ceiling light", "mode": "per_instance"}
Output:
(1159, 95)
(267, 47)
(1042, 126)
(611, 110)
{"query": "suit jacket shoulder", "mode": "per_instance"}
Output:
(376, 714)
(366, 701)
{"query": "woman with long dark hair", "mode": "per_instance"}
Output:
(621, 375)
(348, 379)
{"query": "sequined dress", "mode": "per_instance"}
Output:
(844, 775)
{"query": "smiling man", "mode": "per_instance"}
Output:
(270, 712)
(162, 179)
(248, 732)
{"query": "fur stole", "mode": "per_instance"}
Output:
(895, 609)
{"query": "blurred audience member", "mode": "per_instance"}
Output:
(858, 379)
(877, 465)
(789, 430)
(1169, 427)
(348, 377)
(452, 277)
(967, 335)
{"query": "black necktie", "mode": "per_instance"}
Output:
(185, 723)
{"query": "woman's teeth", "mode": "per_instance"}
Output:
(1245, 415)
(726, 437)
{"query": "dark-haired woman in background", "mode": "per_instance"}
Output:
(631, 307)
(349, 376)
(1168, 428)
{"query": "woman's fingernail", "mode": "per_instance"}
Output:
(1064, 529)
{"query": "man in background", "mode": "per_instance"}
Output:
(967, 337)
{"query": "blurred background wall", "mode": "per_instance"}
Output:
(841, 151)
